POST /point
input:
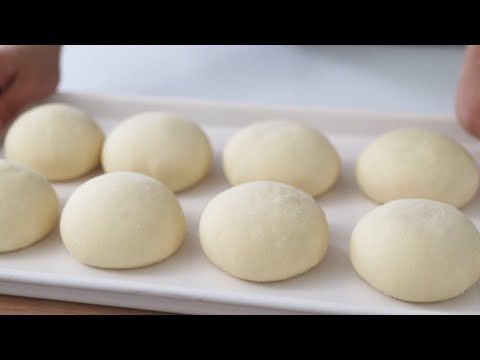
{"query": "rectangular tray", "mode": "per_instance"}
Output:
(187, 282)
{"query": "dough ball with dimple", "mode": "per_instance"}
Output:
(28, 206)
(122, 220)
(173, 150)
(417, 163)
(417, 250)
(264, 231)
(59, 141)
(282, 151)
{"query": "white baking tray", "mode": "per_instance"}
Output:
(187, 282)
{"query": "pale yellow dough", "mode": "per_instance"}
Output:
(417, 250)
(264, 231)
(173, 150)
(122, 220)
(28, 206)
(59, 141)
(417, 163)
(285, 152)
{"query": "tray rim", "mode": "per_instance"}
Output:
(246, 105)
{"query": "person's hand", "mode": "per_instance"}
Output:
(28, 73)
(468, 94)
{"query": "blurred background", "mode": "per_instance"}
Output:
(396, 78)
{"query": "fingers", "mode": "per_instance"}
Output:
(28, 74)
(12, 101)
(468, 94)
(8, 67)
(7, 77)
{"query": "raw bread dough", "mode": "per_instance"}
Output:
(172, 150)
(417, 250)
(57, 140)
(417, 163)
(122, 220)
(282, 151)
(264, 231)
(28, 206)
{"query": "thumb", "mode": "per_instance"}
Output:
(5, 115)
(468, 93)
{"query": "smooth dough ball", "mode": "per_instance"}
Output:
(417, 250)
(417, 163)
(28, 206)
(122, 220)
(57, 140)
(172, 150)
(264, 231)
(285, 152)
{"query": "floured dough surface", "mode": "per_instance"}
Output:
(264, 231)
(28, 206)
(417, 250)
(122, 220)
(57, 140)
(417, 163)
(282, 151)
(173, 150)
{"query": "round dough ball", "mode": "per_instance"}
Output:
(282, 151)
(172, 150)
(28, 206)
(264, 231)
(417, 163)
(57, 140)
(417, 250)
(122, 220)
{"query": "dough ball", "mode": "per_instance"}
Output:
(172, 150)
(417, 163)
(122, 220)
(282, 151)
(417, 250)
(28, 206)
(57, 140)
(264, 231)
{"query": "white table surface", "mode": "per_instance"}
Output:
(418, 79)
